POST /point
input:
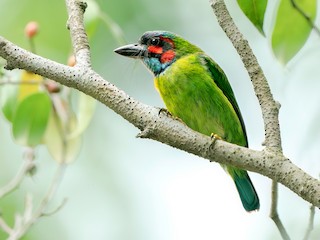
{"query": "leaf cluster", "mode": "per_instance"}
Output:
(293, 23)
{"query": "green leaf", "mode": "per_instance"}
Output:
(85, 110)
(91, 18)
(9, 94)
(9, 100)
(254, 10)
(12, 94)
(114, 28)
(291, 29)
(63, 149)
(30, 83)
(63, 137)
(94, 15)
(31, 118)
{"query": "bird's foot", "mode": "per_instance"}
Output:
(165, 111)
(214, 137)
(168, 114)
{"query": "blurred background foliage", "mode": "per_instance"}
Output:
(120, 187)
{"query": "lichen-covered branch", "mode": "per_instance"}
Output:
(161, 127)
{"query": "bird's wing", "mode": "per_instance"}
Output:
(222, 82)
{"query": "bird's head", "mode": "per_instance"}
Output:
(158, 50)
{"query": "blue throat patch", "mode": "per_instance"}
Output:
(155, 65)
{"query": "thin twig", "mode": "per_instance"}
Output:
(9, 82)
(305, 16)
(52, 189)
(29, 219)
(32, 45)
(27, 165)
(4, 226)
(57, 209)
(113, 27)
(311, 223)
(274, 212)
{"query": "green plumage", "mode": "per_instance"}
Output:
(189, 92)
(195, 89)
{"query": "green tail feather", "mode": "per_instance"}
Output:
(248, 194)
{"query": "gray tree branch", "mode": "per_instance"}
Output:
(161, 127)
(78, 34)
(269, 107)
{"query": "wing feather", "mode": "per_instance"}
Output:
(222, 82)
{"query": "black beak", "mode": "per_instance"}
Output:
(131, 50)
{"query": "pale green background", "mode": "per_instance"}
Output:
(124, 188)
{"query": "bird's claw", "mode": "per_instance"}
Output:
(165, 111)
(214, 137)
(168, 114)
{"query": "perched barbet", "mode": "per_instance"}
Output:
(196, 90)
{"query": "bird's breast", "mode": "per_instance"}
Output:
(190, 93)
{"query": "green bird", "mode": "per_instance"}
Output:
(196, 90)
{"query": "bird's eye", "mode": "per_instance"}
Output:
(154, 41)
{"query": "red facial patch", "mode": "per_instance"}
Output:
(155, 49)
(168, 56)
(168, 40)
